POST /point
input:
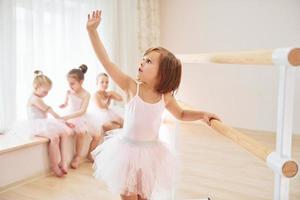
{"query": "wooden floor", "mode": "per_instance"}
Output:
(211, 166)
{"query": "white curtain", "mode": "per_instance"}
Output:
(7, 65)
(51, 36)
(148, 24)
(138, 28)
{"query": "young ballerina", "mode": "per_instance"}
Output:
(38, 124)
(137, 165)
(102, 117)
(102, 98)
(77, 100)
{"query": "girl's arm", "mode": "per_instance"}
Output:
(99, 102)
(54, 114)
(123, 80)
(115, 96)
(65, 104)
(38, 102)
(187, 115)
(82, 109)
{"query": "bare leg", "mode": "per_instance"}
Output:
(139, 185)
(63, 165)
(111, 126)
(79, 144)
(120, 121)
(96, 140)
(53, 149)
(133, 196)
(130, 197)
(140, 198)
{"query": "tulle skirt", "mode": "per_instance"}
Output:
(82, 124)
(26, 129)
(98, 117)
(128, 166)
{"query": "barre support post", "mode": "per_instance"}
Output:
(281, 58)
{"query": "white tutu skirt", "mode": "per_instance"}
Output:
(144, 168)
(98, 117)
(38, 127)
(82, 124)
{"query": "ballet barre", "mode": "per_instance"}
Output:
(259, 57)
(287, 167)
(287, 61)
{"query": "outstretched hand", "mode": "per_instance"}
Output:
(208, 117)
(93, 20)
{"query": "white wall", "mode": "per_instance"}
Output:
(244, 96)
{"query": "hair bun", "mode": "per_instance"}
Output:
(37, 72)
(83, 68)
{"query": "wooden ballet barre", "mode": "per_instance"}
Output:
(287, 167)
(245, 141)
(259, 57)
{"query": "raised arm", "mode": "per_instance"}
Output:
(82, 109)
(115, 96)
(123, 80)
(187, 115)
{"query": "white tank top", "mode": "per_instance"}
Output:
(142, 120)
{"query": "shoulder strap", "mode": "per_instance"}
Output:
(137, 88)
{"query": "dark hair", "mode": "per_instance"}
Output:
(78, 73)
(169, 71)
(101, 74)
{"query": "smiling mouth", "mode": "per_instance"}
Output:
(140, 70)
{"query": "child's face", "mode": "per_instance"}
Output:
(42, 90)
(149, 67)
(102, 83)
(74, 84)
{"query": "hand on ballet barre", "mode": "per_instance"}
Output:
(208, 117)
(93, 20)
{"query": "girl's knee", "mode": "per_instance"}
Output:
(63, 135)
(96, 136)
(120, 120)
(80, 135)
(54, 139)
(106, 127)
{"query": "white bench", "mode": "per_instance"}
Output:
(23, 161)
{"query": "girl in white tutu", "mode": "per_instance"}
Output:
(102, 118)
(137, 165)
(38, 124)
(77, 101)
